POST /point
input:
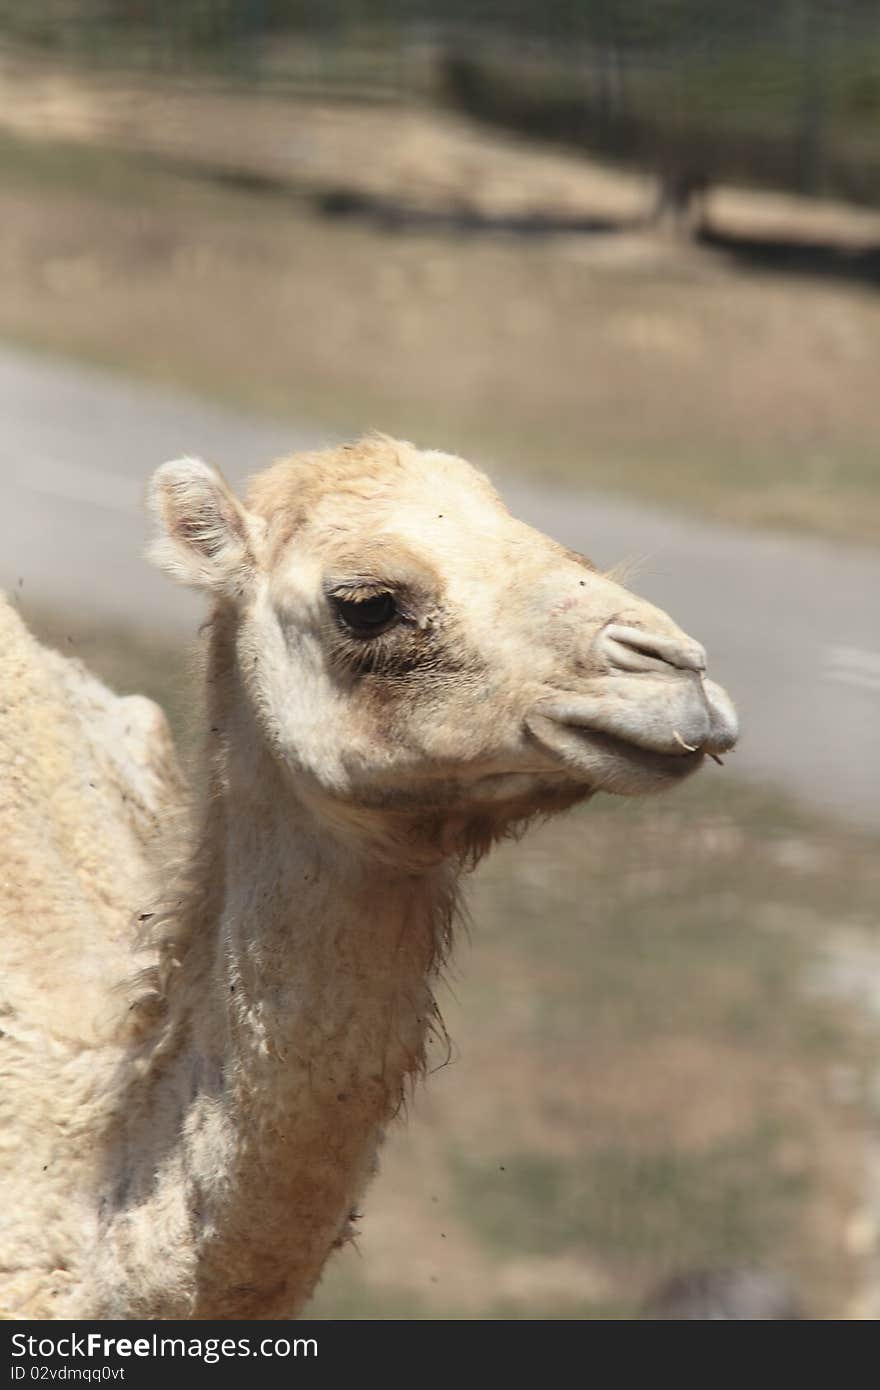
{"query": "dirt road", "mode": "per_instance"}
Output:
(792, 625)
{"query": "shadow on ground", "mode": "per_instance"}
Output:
(783, 255)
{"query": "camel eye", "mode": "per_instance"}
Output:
(367, 617)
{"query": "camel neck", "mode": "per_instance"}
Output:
(307, 1004)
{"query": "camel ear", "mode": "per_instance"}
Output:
(206, 537)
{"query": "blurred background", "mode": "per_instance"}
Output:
(625, 255)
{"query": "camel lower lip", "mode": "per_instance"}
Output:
(677, 763)
(611, 762)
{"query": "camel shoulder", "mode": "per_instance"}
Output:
(88, 779)
(54, 711)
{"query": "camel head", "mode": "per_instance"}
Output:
(404, 647)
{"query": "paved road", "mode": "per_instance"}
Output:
(792, 625)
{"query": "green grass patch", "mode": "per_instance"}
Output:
(728, 1203)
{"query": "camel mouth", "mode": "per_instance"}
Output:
(628, 744)
(611, 758)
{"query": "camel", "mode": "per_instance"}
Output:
(397, 673)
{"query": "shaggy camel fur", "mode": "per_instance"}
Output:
(397, 672)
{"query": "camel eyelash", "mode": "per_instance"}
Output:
(360, 591)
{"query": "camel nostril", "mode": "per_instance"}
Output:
(634, 649)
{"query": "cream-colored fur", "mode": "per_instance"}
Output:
(397, 673)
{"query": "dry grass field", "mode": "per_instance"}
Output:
(502, 300)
